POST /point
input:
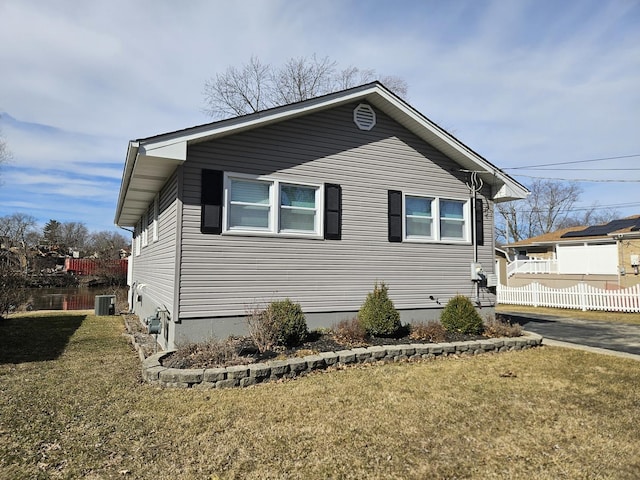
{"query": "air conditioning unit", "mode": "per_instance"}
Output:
(105, 305)
(492, 280)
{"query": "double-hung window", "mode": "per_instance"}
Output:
(263, 205)
(436, 219)
(419, 217)
(452, 220)
(298, 208)
(250, 205)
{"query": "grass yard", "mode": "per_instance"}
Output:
(72, 406)
(614, 317)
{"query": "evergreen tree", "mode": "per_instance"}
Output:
(51, 232)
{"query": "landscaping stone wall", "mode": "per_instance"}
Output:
(251, 374)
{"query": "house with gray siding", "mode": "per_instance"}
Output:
(314, 201)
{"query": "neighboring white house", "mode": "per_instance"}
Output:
(315, 201)
(605, 256)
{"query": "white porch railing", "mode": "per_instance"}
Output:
(581, 296)
(532, 266)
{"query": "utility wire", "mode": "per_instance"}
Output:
(576, 179)
(581, 209)
(573, 162)
(582, 169)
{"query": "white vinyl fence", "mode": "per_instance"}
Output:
(581, 296)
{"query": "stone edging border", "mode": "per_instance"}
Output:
(254, 373)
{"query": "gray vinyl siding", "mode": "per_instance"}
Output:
(223, 275)
(155, 266)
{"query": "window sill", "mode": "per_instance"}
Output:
(247, 233)
(438, 242)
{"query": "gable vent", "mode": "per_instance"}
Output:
(364, 117)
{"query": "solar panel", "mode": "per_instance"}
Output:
(602, 230)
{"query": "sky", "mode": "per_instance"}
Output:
(523, 83)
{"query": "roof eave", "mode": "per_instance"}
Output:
(170, 149)
(132, 153)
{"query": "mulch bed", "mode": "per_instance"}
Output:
(245, 351)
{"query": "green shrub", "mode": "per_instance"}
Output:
(460, 316)
(289, 321)
(377, 315)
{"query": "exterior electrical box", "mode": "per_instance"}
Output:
(477, 274)
(635, 260)
(105, 305)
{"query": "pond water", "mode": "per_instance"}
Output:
(74, 298)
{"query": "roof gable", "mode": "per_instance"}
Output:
(150, 161)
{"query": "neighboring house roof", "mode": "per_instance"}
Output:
(150, 161)
(624, 227)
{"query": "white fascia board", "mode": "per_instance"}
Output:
(171, 150)
(235, 125)
(132, 153)
(510, 191)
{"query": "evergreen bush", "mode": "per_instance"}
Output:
(378, 316)
(289, 322)
(460, 316)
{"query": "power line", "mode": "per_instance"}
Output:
(582, 169)
(583, 209)
(576, 179)
(573, 162)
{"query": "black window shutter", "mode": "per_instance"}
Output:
(211, 193)
(479, 226)
(332, 212)
(395, 215)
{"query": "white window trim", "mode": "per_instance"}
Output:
(435, 217)
(137, 239)
(274, 205)
(154, 228)
(145, 232)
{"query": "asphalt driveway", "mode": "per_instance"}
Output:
(610, 336)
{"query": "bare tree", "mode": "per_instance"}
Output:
(549, 207)
(13, 285)
(74, 235)
(256, 86)
(107, 244)
(303, 78)
(17, 232)
(239, 91)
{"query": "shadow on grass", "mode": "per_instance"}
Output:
(36, 338)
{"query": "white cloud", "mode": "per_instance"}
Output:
(520, 82)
